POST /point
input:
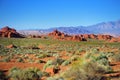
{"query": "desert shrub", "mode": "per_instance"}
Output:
(87, 71)
(69, 54)
(2, 76)
(40, 61)
(30, 60)
(116, 57)
(88, 55)
(56, 55)
(58, 61)
(54, 78)
(51, 78)
(74, 58)
(101, 59)
(23, 50)
(49, 54)
(25, 57)
(66, 62)
(20, 59)
(109, 54)
(6, 59)
(43, 55)
(33, 46)
(48, 64)
(14, 73)
(79, 50)
(46, 74)
(3, 50)
(25, 74)
(95, 50)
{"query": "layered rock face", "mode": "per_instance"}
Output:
(9, 32)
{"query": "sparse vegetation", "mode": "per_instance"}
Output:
(116, 57)
(84, 60)
(26, 74)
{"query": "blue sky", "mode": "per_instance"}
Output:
(41, 14)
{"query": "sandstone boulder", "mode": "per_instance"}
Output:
(9, 32)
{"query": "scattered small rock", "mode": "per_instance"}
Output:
(11, 46)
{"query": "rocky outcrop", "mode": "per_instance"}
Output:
(99, 36)
(57, 33)
(62, 36)
(104, 37)
(82, 37)
(9, 32)
(115, 40)
(76, 38)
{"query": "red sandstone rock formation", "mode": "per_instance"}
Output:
(61, 36)
(104, 37)
(9, 32)
(82, 37)
(92, 36)
(115, 40)
(57, 33)
(86, 36)
(76, 38)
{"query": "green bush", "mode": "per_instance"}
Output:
(6, 59)
(46, 74)
(30, 60)
(74, 58)
(14, 73)
(43, 55)
(88, 71)
(20, 59)
(56, 55)
(3, 50)
(101, 59)
(66, 62)
(95, 50)
(48, 64)
(116, 57)
(52, 78)
(58, 61)
(109, 54)
(25, 74)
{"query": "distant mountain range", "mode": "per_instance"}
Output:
(112, 28)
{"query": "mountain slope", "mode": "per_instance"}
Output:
(68, 30)
(112, 28)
